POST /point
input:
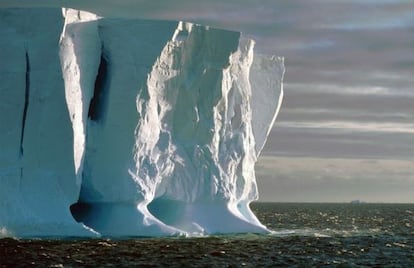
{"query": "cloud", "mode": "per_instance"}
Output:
(350, 89)
(382, 21)
(312, 141)
(354, 126)
(306, 179)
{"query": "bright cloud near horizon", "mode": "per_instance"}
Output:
(346, 127)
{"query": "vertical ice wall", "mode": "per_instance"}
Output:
(167, 122)
(37, 182)
(199, 98)
(123, 53)
(80, 56)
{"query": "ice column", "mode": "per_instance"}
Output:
(37, 178)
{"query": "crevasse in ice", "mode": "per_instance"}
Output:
(129, 127)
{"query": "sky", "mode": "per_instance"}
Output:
(346, 127)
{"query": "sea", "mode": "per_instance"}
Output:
(303, 235)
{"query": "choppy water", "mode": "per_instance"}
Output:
(344, 235)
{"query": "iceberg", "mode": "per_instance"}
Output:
(121, 128)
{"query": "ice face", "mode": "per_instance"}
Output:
(163, 126)
(36, 138)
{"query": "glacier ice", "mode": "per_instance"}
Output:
(36, 161)
(129, 127)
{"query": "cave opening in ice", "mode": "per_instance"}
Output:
(97, 104)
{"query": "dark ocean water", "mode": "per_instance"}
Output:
(305, 235)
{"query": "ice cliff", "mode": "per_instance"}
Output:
(129, 127)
